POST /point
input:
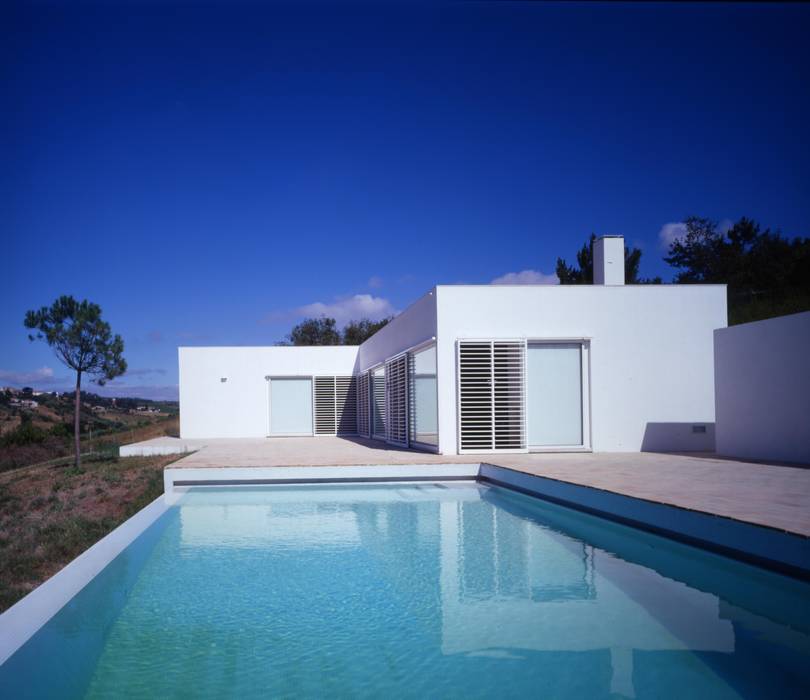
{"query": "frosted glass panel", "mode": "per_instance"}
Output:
(291, 406)
(424, 422)
(554, 394)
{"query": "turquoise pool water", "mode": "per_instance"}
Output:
(444, 590)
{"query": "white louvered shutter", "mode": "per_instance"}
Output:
(346, 405)
(378, 397)
(325, 423)
(491, 391)
(362, 405)
(396, 384)
(509, 366)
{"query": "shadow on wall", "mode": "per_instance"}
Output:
(678, 437)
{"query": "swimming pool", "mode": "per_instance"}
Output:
(412, 590)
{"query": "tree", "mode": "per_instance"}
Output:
(323, 331)
(568, 274)
(767, 275)
(314, 331)
(356, 332)
(82, 341)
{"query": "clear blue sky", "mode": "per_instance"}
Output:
(208, 175)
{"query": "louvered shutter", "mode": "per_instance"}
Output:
(346, 405)
(378, 414)
(491, 395)
(411, 401)
(325, 422)
(396, 385)
(362, 405)
(509, 361)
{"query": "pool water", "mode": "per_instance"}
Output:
(439, 590)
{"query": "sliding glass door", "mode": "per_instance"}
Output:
(290, 406)
(423, 397)
(554, 396)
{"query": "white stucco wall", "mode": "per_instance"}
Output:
(651, 353)
(762, 385)
(210, 408)
(415, 324)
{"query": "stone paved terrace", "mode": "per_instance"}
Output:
(774, 495)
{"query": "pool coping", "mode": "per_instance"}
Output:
(770, 548)
(761, 545)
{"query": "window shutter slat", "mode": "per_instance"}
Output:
(491, 395)
(362, 405)
(396, 384)
(346, 405)
(325, 406)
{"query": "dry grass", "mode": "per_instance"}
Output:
(50, 515)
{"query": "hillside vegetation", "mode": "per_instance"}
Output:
(51, 514)
(44, 433)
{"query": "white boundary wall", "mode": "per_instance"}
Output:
(762, 385)
(239, 406)
(651, 353)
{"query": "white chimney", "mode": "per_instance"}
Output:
(608, 260)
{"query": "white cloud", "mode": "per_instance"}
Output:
(351, 308)
(526, 277)
(671, 232)
(375, 282)
(142, 372)
(676, 231)
(43, 375)
(157, 392)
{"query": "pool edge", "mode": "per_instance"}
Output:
(773, 550)
(27, 616)
(768, 548)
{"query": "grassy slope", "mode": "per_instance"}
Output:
(50, 515)
(16, 456)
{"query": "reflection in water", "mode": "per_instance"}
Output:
(508, 584)
(414, 591)
(509, 575)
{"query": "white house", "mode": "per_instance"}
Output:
(476, 369)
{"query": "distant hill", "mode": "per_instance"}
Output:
(38, 426)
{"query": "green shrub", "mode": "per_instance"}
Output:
(26, 433)
(61, 430)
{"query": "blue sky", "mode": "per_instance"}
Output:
(209, 176)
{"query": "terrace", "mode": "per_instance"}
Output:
(767, 495)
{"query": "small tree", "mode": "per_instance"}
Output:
(357, 332)
(314, 331)
(767, 274)
(82, 341)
